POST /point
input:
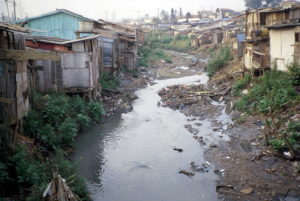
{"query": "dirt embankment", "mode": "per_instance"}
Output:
(247, 169)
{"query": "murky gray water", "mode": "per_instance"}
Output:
(131, 156)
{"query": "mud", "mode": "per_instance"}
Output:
(266, 178)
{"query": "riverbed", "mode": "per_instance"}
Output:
(131, 156)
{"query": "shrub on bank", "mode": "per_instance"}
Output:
(273, 91)
(158, 39)
(218, 61)
(54, 122)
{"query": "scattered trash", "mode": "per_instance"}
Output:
(223, 170)
(198, 167)
(254, 144)
(158, 104)
(221, 99)
(208, 163)
(270, 170)
(178, 149)
(213, 145)
(186, 173)
(287, 153)
(247, 191)
(245, 91)
(216, 170)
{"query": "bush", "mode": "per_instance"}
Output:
(107, 81)
(218, 61)
(96, 110)
(77, 105)
(49, 137)
(33, 124)
(84, 121)
(56, 110)
(240, 84)
(68, 131)
(242, 104)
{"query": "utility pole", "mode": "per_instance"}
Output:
(15, 10)
(7, 10)
(20, 9)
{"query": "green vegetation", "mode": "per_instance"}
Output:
(148, 55)
(241, 119)
(159, 39)
(240, 84)
(218, 61)
(54, 121)
(273, 91)
(108, 81)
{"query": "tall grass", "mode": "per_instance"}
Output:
(218, 61)
(157, 39)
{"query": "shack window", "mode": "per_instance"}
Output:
(296, 37)
(263, 17)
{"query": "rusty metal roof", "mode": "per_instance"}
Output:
(13, 27)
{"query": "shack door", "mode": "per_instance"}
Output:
(107, 53)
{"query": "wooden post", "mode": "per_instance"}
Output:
(55, 180)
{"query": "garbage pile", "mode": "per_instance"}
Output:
(181, 96)
(118, 102)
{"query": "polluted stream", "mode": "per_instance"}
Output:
(131, 157)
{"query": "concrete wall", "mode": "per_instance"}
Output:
(280, 46)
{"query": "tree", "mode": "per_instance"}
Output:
(165, 16)
(173, 16)
(156, 20)
(187, 16)
(253, 4)
(200, 15)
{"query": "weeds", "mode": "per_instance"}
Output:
(241, 119)
(273, 91)
(96, 110)
(242, 104)
(240, 84)
(158, 39)
(218, 61)
(108, 81)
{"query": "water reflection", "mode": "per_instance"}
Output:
(131, 156)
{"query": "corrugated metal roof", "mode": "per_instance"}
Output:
(53, 13)
(12, 27)
(283, 25)
(60, 23)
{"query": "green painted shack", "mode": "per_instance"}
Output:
(60, 23)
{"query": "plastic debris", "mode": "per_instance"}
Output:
(198, 167)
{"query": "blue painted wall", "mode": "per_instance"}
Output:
(60, 24)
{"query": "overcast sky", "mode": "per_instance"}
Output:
(124, 9)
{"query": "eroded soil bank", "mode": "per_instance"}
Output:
(247, 170)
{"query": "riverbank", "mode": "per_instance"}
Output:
(243, 162)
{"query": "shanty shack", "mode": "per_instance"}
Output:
(271, 34)
(81, 62)
(124, 45)
(15, 68)
(218, 37)
(60, 23)
(285, 44)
